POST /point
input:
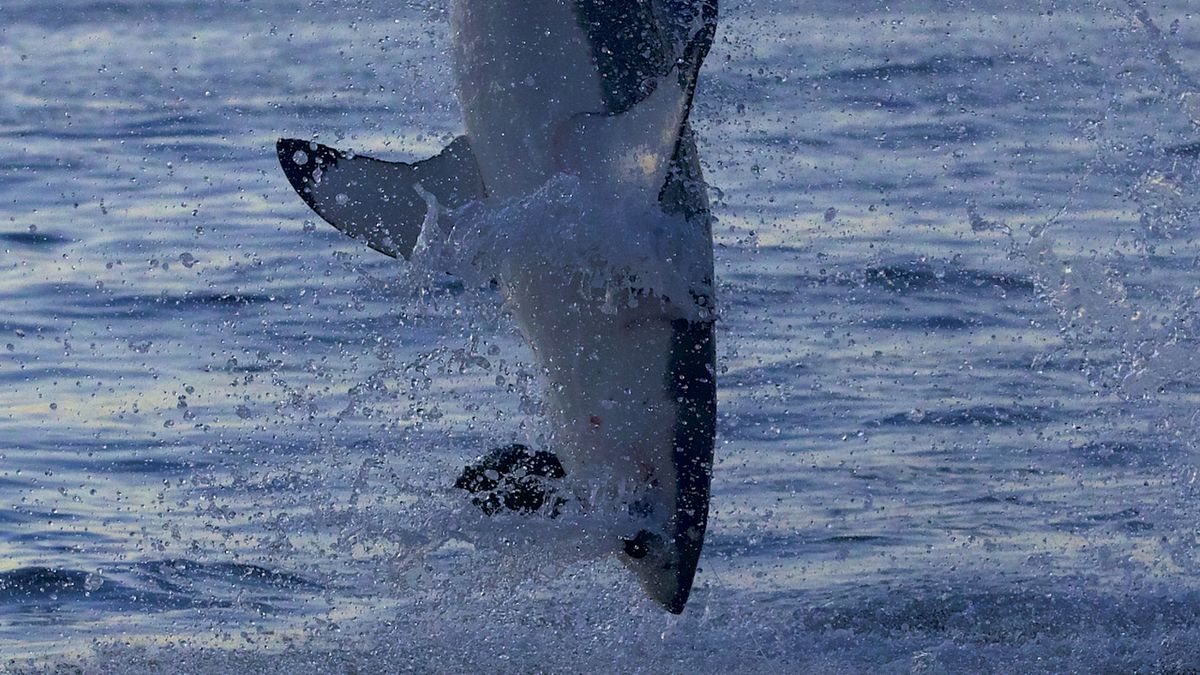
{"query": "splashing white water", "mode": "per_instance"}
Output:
(617, 252)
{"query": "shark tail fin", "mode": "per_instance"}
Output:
(379, 202)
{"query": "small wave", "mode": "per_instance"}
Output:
(922, 134)
(150, 586)
(1131, 520)
(928, 323)
(937, 65)
(32, 582)
(1119, 454)
(1184, 149)
(901, 278)
(914, 277)
(89, 303)
(788, 141)
(1011, 617)
(875, 102)
(242, 574)
(35, 590)
(147, 465)
(986, 416)
(191, 300)
(33, 239)
(856, 539)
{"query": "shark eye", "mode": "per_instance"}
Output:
(639, 547)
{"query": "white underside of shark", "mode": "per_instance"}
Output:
(616, 305)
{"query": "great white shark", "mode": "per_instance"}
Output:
(602, 90)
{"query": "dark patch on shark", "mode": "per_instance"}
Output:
(635, 43)
(692, 381)
(627, 48)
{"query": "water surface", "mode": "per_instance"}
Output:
(956, 264)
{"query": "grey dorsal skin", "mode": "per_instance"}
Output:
(636, 41)
(692, 379)
(628, 47)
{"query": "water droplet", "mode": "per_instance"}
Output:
(92, 582)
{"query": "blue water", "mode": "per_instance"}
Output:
(958, 353)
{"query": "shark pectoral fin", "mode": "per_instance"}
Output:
(515, 479)
(632, 149)
(374, 201)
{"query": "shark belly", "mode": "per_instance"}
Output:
(632, 395)
(522, 68)
(607, 379)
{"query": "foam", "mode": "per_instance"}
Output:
(618, 251)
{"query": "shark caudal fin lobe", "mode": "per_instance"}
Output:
(374, 201)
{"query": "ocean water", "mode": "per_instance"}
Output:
(958, 414)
